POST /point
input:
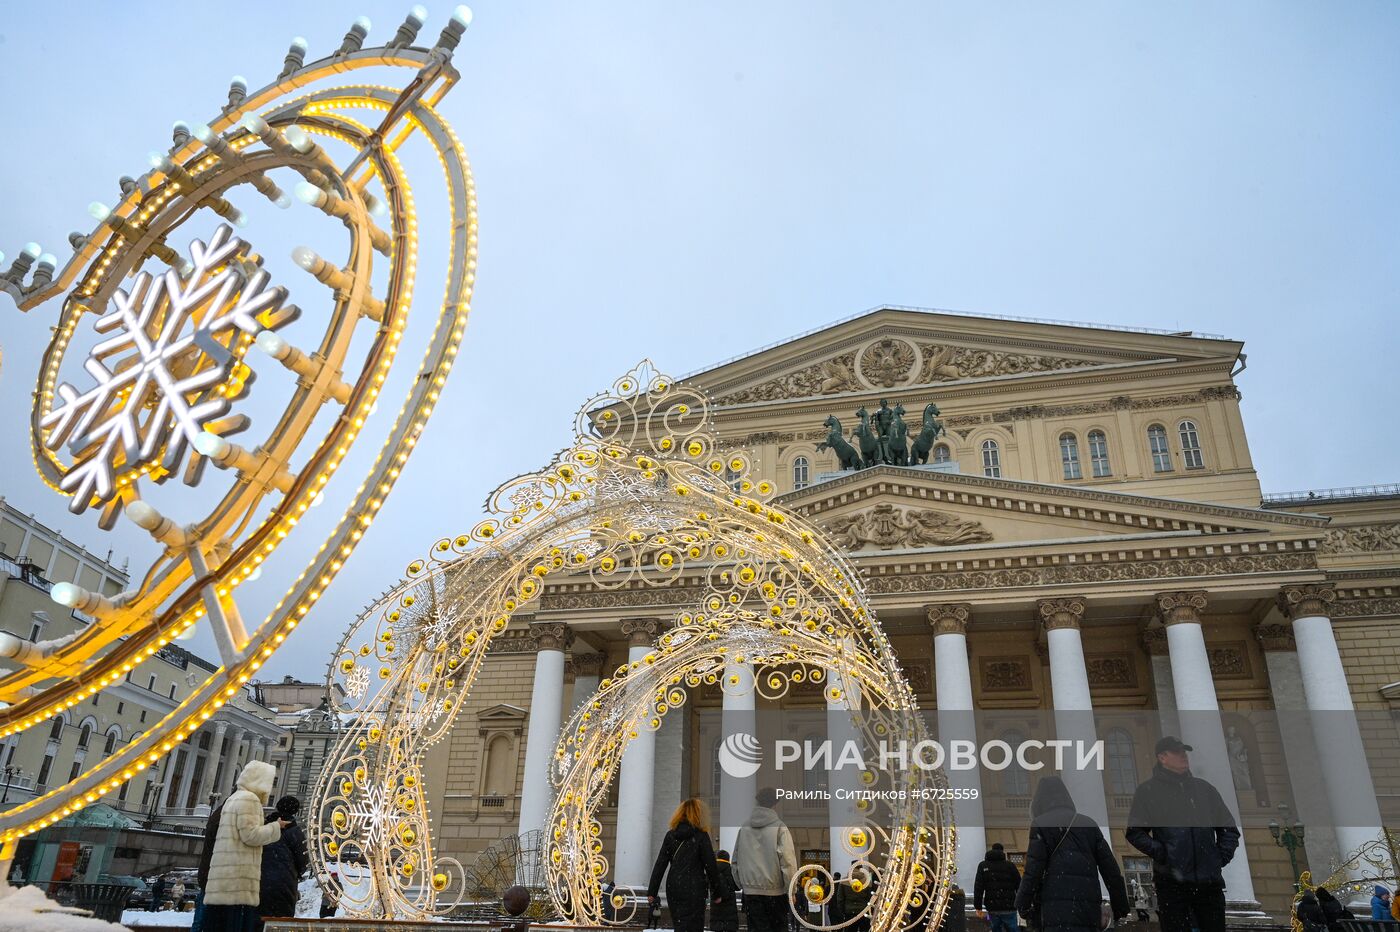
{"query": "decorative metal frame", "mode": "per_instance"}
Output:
(270, 487)
(643, 496)
(1375, 862)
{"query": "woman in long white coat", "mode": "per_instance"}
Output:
(235, 870)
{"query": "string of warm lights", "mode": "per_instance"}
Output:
(643, 497)
(272, 486)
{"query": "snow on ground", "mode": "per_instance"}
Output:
(26, 909)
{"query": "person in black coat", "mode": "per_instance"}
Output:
(995, 889)
(284, 861)
(1333, 912)
(1066, 857)
(687, 860)
(1310, 913)
(1182, 824)
(724, 913)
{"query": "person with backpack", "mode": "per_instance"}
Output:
(687, 861)
(1066, 857)
(994, 890)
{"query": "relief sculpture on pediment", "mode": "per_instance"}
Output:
(887, 363)
(947, 363)
(828, 377)
(887, 527)
(1365, 538)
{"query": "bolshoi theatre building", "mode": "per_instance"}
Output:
(1087, 532)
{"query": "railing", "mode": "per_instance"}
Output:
(25, 571)
(493, 802)
(1347, 493)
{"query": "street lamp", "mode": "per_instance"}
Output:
(1288, 837)
(10, 772)
(153, 791)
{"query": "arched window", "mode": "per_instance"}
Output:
(1190, 445)
(56, 731)
(499, 771)
(1121, 763)
(1157, 443)
(1015, 781)
(1098, 454)
(1069, 456)
(85, 735)
(800, 472)
(114, 735)
(941, 453)
(991, 459)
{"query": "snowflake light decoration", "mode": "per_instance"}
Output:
(160, 376)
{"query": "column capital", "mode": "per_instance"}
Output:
(587, 663)
(948, 617)
(1154, 639)
(1181, 608)
(1275, 637)
(1307, 601)
(1060, 613)
(641, 632)
(551, 635)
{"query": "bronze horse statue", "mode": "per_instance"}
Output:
(928, 433)
(836, 440)
(897, 445)
(870, 451)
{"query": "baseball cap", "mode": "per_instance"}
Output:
(1172, 743)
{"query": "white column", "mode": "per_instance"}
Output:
(1199, 714)
(953, 689)
(542, 736)
(1345, 770)
(636, 784)
(211, 765)
(1074, 707)
(1299, 744)
(1154, 639)
(587, 676)
(736, 794)
(230, 774)
(842, 782)
(187, 774)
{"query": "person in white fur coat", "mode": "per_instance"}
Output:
(235, 870)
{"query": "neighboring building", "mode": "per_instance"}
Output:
(1094, 480)
(310, 727)
(172, 796)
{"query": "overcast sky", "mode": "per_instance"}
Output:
(691, 181)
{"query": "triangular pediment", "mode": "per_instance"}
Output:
(501, 713)
(897, 508)
(891, 349)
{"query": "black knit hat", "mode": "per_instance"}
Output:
(288, 806)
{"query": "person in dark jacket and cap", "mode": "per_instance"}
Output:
(1066, 857)
(687, 860)
(283, 863)
(1182, 824)
(994, 890)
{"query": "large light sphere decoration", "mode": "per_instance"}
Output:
(162, 318)
(647, 497)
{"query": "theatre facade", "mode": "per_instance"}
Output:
(1088, 532)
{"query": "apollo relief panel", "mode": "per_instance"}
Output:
(886, 527)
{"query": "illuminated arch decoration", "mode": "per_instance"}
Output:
(152, 405)
(642, 497)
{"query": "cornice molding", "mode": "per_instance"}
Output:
(823, 495)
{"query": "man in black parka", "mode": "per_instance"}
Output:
(1182, 824)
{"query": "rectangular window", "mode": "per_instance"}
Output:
(121, 794)
(121, 707)
(143, 716)
(151, 683)
(77, 769)
(35, 631)
(44, 769)
(172, 690)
